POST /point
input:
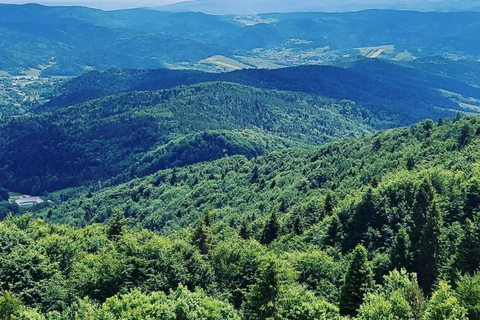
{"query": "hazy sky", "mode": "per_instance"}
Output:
(122, 4)
(105, 4)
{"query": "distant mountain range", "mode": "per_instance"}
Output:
(59, 41)
(269, 6)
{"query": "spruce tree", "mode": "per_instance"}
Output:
(270, 231)
(400, 256)
(329, 205)
(472, 199)
(423, 201)
(363, 217)
(202, 235)
(468, 255)
(358, 281)
(262, 300)
(431, 246)
(244, 230)
(115, 226)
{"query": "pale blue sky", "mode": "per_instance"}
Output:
(121, 4)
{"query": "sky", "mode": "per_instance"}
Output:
(103, 4)
(123, 4)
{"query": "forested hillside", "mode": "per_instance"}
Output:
(281, 166)
(58, 41)
(384, 227)
(104, 139)
(404, 93)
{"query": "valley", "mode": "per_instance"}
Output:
(249, 166)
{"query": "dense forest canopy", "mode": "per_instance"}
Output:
(333, 174)
(367, 227)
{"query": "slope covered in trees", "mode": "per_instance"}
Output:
(406, 94)
(372, 228)
(71, 40)
(101, 139)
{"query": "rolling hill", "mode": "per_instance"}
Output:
(105, 138)
(72, 40)
(409, 92)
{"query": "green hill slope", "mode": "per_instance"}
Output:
(332, 219)
(103, 139)
(394, 215)
(236, 187)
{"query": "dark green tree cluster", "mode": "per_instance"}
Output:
(332, 231)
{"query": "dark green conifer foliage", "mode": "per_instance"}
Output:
(115, 227)
(298, 225)
(423, 200)
(468, 255)
(430, 257)
(472, 201)
(262, 300)
(329, 205)
(401, 256)
(365, 215)
(410, 163)
(270, 231)
(358, 281)
(254, 177)
(202, 234)
(244, 230)
(465, 136)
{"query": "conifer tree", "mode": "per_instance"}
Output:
(261, 303)
(270, 231)
(423, 200)
(472, 201)
(468, 255)
(430, 254)
(400, 255)
(358, 281)
(115, 227)
(202, 235)
(329, 205)
(244, 230)
(363, 216)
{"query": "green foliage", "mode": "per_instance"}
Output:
(468, 295)
(467, 258)
(270, 230)
(444, 305)
(400, 255)
(115, 226)
(205, 221)
(139, 133)
(431, 248)
(472, 202)
(262, 300)
(358, 282)
(398, 298)
(179, 304)
(9, 306)
(320, 273)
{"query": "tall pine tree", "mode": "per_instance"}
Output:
(430, 257)
(262, 300)
(468, 255)
(358, 281)
(472, 199)
(270, 231)
(401, 256)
